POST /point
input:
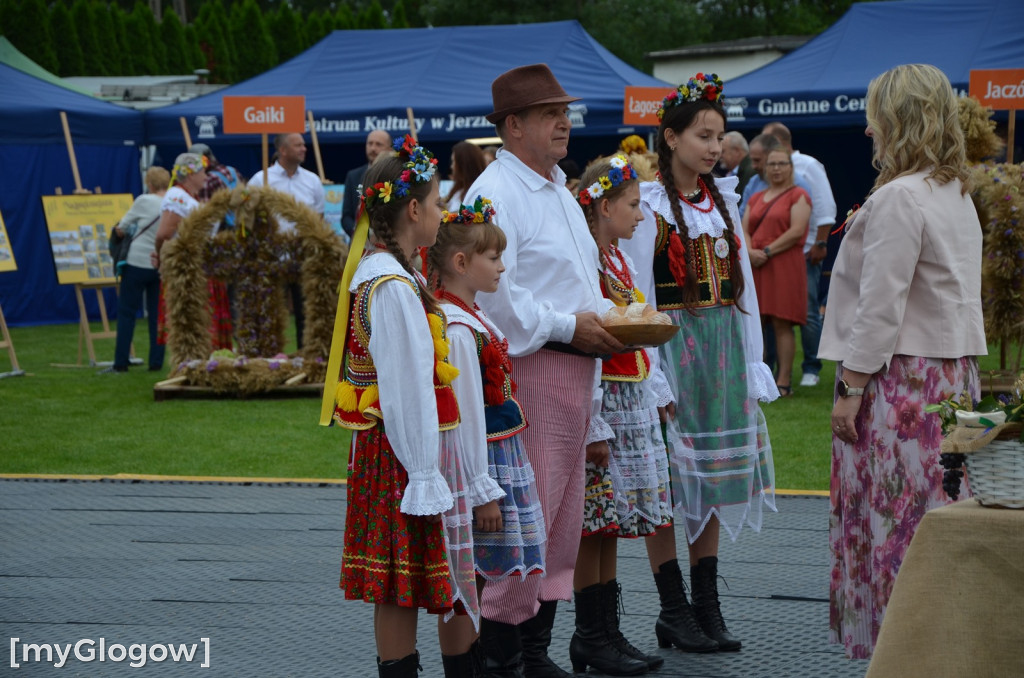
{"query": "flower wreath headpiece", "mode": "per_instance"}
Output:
(190, 166)
(420, 165)
(480, 212)
(621, 171)
(698, 87)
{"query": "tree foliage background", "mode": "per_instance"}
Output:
(237, 39)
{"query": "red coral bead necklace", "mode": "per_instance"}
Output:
(702, 189)
(502, 346)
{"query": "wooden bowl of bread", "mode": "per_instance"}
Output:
(638, 324)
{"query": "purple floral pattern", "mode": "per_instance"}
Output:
(882, 486)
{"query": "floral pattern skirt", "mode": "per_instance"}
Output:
(718, 442)
(882, 486)
(632, 496)
(518, 547)
(221, 332)
(389, 557)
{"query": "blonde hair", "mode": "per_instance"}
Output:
(600, 167)
(470, 239)
(157, 178)
(914, 116)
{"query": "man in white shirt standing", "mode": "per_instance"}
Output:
(287, 175)
(547, 305)
(823, 218)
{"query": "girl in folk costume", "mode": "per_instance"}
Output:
(627, 478)
(691, 259)
(508, 533)
(389, 381)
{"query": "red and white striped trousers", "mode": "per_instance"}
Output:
(555, 390)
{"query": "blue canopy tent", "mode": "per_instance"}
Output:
(358, 81)
(34, 156)
(818, 90)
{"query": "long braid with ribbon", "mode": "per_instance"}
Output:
(380, 200)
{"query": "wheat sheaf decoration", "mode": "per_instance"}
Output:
(998, 193)
(256, 260)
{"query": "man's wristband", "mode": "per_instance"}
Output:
(821, 243)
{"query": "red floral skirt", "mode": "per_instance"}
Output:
(220, 316)
(389, 557)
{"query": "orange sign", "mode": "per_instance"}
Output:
(640, 105)
(264, 115)
(1001, 88)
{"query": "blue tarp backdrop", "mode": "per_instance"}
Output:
(358, 81)
(818, 90)
(35, 160)
(823, 83)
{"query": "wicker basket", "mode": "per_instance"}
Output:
(996, 474)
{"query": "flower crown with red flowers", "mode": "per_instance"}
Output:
(621, 171)
(480, 212)
(698, 87)
(419, 167)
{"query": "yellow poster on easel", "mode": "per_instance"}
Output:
(79, 226)
(7, 262)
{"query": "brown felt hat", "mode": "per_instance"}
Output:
(526, 86)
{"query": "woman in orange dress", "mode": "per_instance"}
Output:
(775, 226)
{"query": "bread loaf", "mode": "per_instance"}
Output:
(637, 313)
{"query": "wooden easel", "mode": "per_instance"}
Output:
(85, 333)
(5, 342)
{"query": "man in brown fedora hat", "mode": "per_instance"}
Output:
(548, 305)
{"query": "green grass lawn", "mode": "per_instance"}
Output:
(73, 421)
(60, 420)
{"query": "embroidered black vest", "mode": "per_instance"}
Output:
(714, 274)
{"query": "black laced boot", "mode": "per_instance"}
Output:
(677, 624)
(499, 652)
(458, 665)
(612, 602)
(406, 667)
(593, 642)
(704, 580)
(536, 636)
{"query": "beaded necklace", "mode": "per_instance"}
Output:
(618, 277)
(501, 346)
(701, 190)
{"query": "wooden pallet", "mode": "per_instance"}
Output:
(175, 389)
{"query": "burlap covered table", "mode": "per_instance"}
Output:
(957, 607)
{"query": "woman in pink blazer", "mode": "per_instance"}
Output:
(904, 321)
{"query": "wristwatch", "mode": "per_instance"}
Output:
(767, 252)
(844, 390)
(821, 243)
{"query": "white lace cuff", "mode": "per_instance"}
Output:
(427, 494)
(484, 489)
(599, 430)
(761, 382)
(658, 385)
